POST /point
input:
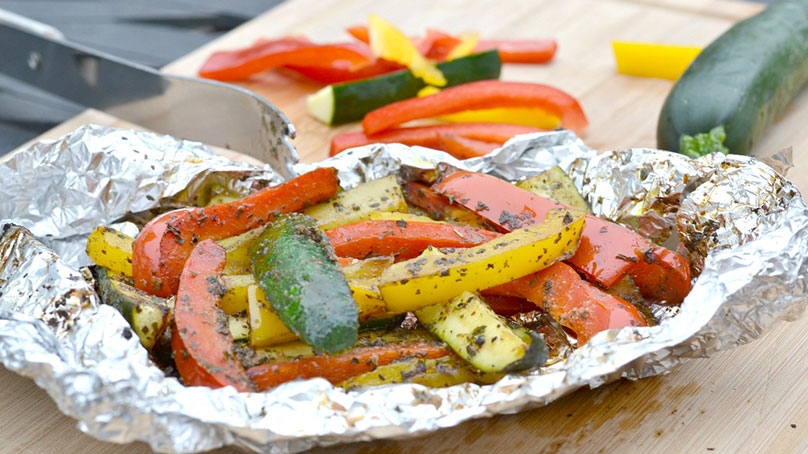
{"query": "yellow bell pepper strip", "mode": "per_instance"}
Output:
(663, 61)
(608, 251)
(390, 43)
(477, 95)
(466, 46)
(538, 118)
(111, 249)
(436, 277)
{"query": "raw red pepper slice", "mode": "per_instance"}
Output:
(465, 148)
(608, 251)
(242, 64)
(402, 239)
(161, 248)
(338, 368)
(203, 351)
(482, 94)
(430, 135)
(360, 32)
(437, 44)
(575, 303)
(336, 74)
(520, 50)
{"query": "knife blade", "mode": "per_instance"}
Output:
(189, 108)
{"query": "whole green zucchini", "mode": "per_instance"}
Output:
(741, 81)
(294, 264)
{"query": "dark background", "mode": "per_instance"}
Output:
(150, 32)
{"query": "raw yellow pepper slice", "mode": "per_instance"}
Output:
(516, 116)
(466, 46)
(664, 61)
(390, 43)
(435, 278)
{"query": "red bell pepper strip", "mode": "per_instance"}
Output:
(402, 239)
(507, 305)
(520, 51)
(162, 246)
(479, 95)
(607, 252)
(575, 303)
(437, 44)
(465, 148)
(203, 351)
(336, 74)
(242, 64)
(439, 208)
(360, 32)
(338, 368)
(429, 136)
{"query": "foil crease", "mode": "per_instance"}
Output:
(744, 223)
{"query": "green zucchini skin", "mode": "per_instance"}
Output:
(742, 80)
(294, 264)
(148, 315)
(352, 100)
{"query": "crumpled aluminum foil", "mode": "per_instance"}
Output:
(745, 224)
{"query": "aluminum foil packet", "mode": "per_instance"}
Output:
(745, 227)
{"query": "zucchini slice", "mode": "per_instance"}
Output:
(148, 315)
(359, 203)
(350, 101)
(556, 185)
(483, 338)
(294, 264)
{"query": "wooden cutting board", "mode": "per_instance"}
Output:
(748, 399)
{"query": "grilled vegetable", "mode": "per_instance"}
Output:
(402, 239)
(371, 351)
(148, 315)
(294, 265)
(741, 81)
(200, 338)
(358, 203)
(556, 185)
(111, 249)
(350, 101)
(481, 337)
(436, 277)
(163, 245)
(433, 372)
(578, 305)
(608, 251)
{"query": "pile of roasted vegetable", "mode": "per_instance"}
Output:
(442, 278)
(388, 80)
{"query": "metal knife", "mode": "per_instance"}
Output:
(211, 112)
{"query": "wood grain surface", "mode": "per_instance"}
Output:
(748, 399)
